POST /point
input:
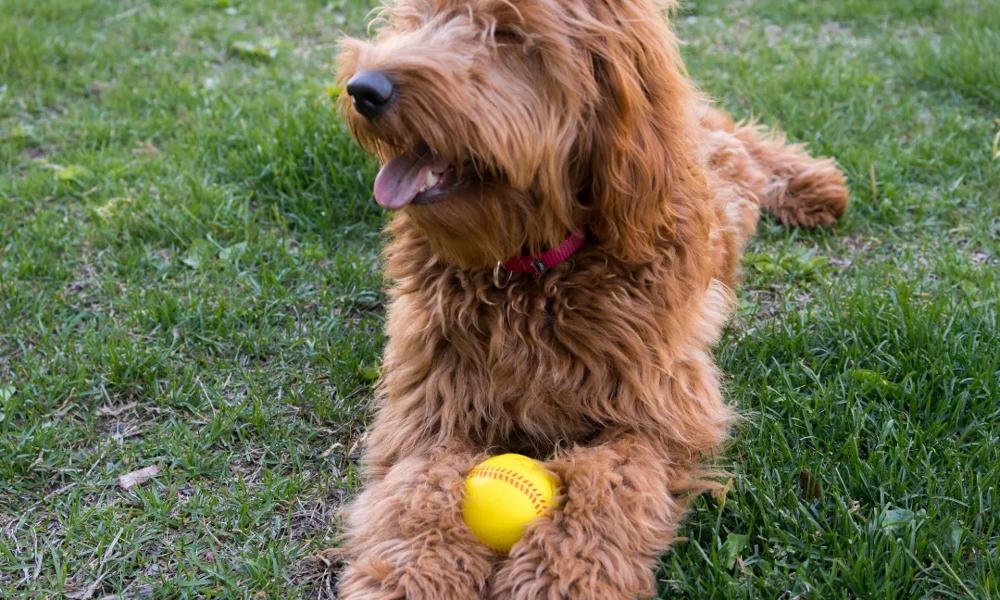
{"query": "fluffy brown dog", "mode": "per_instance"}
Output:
(503, 126)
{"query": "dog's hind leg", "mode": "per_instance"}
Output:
(799, 189)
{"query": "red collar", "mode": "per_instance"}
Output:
(540, 263)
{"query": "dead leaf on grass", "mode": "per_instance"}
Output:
(145, 149)
(138, 477)
(86, 593)
(114, 411)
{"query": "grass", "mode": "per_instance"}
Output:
(189, 279)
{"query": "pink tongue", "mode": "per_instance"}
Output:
(400, 179)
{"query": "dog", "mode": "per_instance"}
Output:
(568, 218)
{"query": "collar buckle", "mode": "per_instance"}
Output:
(501, 276)
(540, 264)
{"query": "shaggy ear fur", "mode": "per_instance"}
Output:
(640, 142)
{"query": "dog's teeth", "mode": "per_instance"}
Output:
(432, 179)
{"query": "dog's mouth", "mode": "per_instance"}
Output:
(417, 176)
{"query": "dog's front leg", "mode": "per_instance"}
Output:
(406, 537)
(617, 515)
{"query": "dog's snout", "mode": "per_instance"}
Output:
(372, 92)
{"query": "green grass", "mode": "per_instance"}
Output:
(189, 279)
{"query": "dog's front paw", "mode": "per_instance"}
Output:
(602, 541)
(406, 538)
(560, 557)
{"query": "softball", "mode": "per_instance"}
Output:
(503, 494)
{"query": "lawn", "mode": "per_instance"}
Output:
(189, 279)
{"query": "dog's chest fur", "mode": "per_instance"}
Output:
(545, 361)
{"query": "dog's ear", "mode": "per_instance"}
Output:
(639, 146)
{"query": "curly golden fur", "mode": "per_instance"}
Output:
(554, 114)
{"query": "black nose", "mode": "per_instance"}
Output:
(372, 93)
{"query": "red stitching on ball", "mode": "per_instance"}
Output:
(517, 480)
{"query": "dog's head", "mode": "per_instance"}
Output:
(504, 124)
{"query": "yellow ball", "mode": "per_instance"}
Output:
(502, 495)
